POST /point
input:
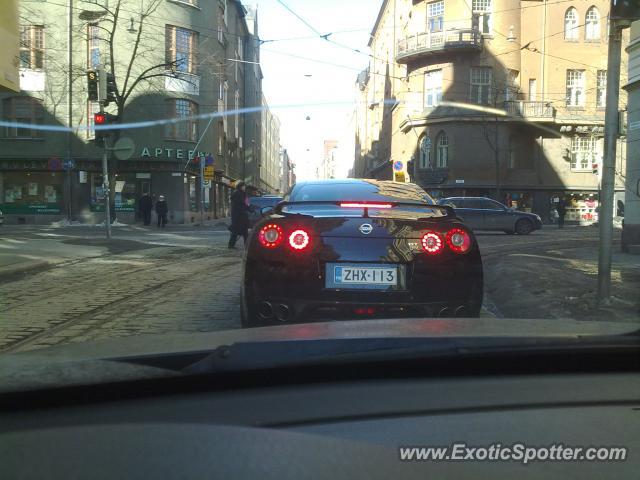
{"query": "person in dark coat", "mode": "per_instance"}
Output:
(161, 210)
(562, 211)
(239, 215)
(145, 205)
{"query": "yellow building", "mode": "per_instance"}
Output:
(9, 53)
(489, 97)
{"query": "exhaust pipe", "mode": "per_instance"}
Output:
(265, 310)
(283, 313)
(461, 311)
(444, 312)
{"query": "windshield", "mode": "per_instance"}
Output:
(138, 149)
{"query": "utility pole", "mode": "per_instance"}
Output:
(69, 99)
(202, 160)
(102, 96)
(605, 217)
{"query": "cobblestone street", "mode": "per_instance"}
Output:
(146, 282)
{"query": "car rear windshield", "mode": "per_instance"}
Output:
(359, 192)
(264, 201)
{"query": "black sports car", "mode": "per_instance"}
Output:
(339, 249)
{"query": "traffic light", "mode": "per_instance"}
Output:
(625, 10)
(92, 85)
(108, 90)
(112, 89)
(100, 120)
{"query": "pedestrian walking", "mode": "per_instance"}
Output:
(239, 215)
(562, 211)
(161, 210)
(145, 205)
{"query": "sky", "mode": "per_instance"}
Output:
(314, 87)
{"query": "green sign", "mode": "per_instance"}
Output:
(31, 209)
(99, 207)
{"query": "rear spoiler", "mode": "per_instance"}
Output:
(449, 211)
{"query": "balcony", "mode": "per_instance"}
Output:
(430, 43)
(532, 111)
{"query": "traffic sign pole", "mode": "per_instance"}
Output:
(202, 160)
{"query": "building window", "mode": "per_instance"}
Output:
(32, 47)
(181, 48)
(435, 16)
(480, 84)
(592, 24)
(601, 89)
(533, 87)
(425, 153)
(92, 109)
(482, 15)
(575, 88)
(240, 51)
(22, 110)
(187, 128)
(221, 23)
(583, 152)
(432, 88)
(571, 24)
(93, 46)
(442, 151)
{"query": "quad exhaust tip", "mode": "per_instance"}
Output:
(265, 310)
(283, 312)
(444, 312)
(461, 311)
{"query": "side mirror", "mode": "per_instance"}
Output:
(266, 210)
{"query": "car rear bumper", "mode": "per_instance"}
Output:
(276, 292)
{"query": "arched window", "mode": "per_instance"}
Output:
(425, 152)
(571, 24)
(592, 24)
(442, 151)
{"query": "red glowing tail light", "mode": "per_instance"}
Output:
(271, 235)
(299, 239)
(458, 240)
(432, 243)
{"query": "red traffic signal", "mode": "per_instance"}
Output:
(99, 119)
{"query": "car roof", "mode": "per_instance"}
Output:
(411, 190)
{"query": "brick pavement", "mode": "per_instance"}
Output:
(157, 291)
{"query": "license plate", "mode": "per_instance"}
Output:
(361, 276)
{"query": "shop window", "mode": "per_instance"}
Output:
(126, 193)
(32, 193)
(23, 110)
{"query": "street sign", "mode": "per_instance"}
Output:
(123, 148)
(208, 172)
(207, 183)
(54, 164)
(398, 165)
(69, 164)
(399, 177)
(209, 160)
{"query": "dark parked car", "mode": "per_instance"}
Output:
(359, 249)
(258, 203)
(480, 213)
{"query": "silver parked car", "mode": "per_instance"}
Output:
(480, 213)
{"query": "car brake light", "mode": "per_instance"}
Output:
(432, 243)
(270, 236)
(299, 239)
(458, 240)
(365, 205)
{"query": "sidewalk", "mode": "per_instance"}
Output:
(553, 283)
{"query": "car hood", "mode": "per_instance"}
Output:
(107, 360)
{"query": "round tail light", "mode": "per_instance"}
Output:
(299, 239)
(458, 240)
(270, 236)
(432, 243)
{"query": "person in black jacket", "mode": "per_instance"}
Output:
(239, 215)
(145, 205)
(161, 210)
